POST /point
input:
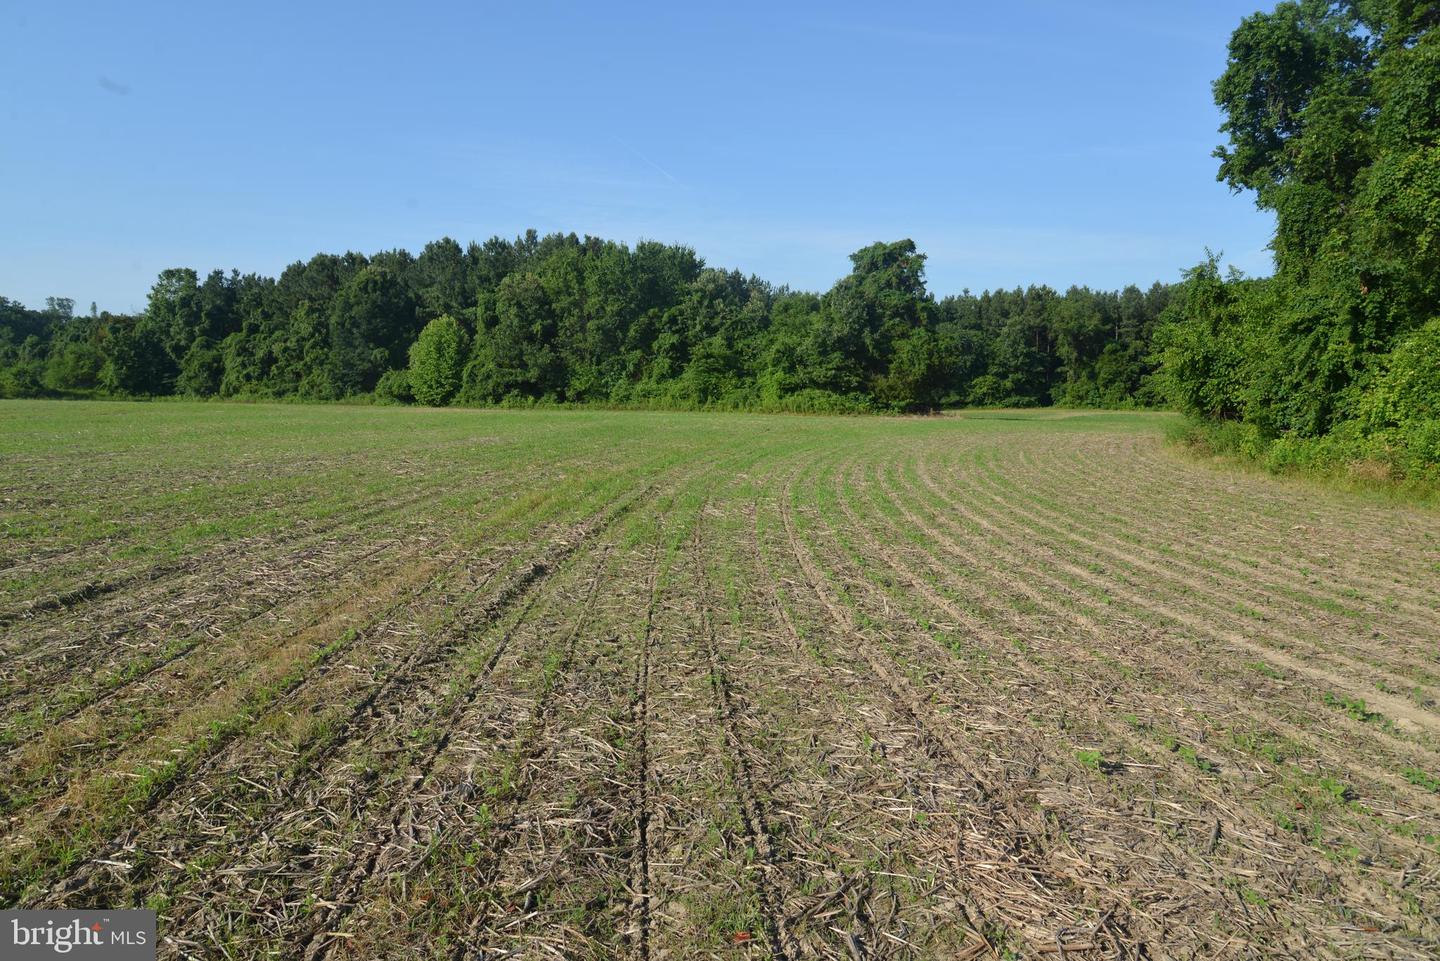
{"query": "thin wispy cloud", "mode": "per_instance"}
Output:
(646, 160)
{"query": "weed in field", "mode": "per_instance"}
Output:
(1423, 779)
(1260, 667)
(1355, 707)
(1262, 744)
(1192, 757)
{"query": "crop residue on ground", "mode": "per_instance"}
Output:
(332, 683)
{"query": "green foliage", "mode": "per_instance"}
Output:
(1333, 114)
(561, 319)
(1408, 387)
(1288, 71)
(1201, 346)
(22, 378)
(74, 367)
(136, 361)
(201, 369)
(437, 361)
(1353, 706)
(813, 401)
(393, 387)
(372, 322)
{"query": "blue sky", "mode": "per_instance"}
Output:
(1043, 141)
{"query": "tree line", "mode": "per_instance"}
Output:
(564, 319)
(1332, 111)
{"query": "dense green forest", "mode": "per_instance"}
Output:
(568, 320)
(1333, 117)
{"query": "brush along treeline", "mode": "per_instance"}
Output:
(1333, 117)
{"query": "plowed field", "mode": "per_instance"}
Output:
(349, 683)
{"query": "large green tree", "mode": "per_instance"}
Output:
(437, 360)
(372, 323)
